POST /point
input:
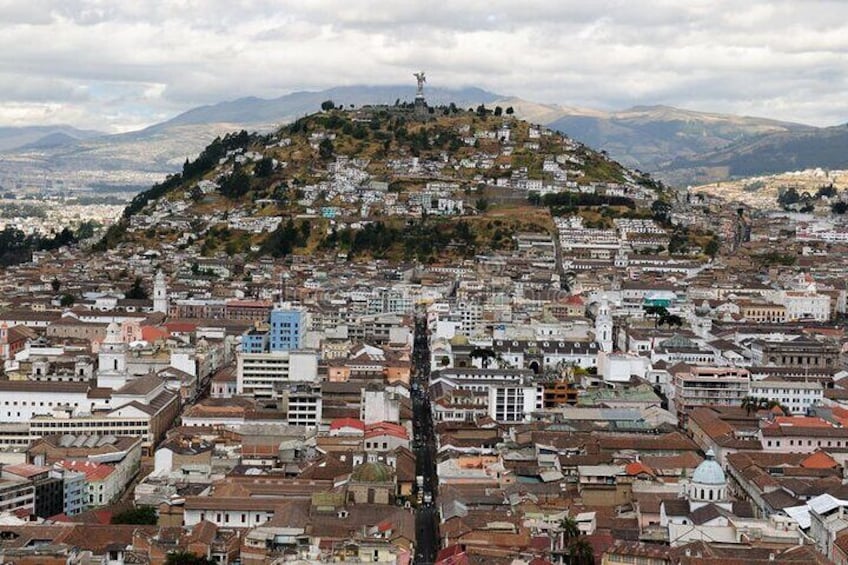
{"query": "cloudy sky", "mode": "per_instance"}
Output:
(117, 65)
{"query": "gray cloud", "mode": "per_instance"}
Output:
(115, 65)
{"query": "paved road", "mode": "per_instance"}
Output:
(426, 517)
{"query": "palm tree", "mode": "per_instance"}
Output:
(750, 403)
(581, 553)
(568, 530)
(769, 404)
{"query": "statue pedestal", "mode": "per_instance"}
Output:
(421, 111)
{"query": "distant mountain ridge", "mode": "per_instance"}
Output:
(685, 147)
(778, 152)
(141, 158)
(12, 138)
(679, 146)
(275, 111)
(650, 137)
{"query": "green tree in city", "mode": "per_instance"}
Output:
(186, 558)
(140, 515)
(137, 291)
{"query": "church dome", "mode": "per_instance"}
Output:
(374, 472)
(459, 339)
(709, 472)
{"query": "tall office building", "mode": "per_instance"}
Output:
(288, 325)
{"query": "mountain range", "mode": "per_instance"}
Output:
(676, 145)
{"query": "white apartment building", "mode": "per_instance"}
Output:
(805, 305)
(20, 401)
(301, 402)
(258, 373)
(708, 386)
(795, 396)
(508, 404)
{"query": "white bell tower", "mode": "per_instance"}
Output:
(603, 326)
(160, 293)
(112, 359)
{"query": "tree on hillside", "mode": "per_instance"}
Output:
(498, 111)
(236, 184)
(661, 210)
(264, 167)
(327, 105)
(679, 241)
(827, 191)
(788, 197)
(839, 207)
(509, 111)
(325, 148)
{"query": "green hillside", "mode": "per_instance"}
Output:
(375, 182)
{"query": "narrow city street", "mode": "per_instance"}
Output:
(426, 518)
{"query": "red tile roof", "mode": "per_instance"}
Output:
(93, 471)
(819, 460)
(347, 423)
(637, 468)
(386, 428)
(25, 470)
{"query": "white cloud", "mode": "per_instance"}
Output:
(114, 65)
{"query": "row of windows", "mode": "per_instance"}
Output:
(800, 443)
(40, 403)
(772, 392)
(244, 517)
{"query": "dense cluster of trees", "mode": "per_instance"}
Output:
(776, 258)
(236, 184)
(564, 203)
(421, 240)
(288, 236)
(17, 247)
(661, 212)
(204, 163)
(139, 515)
(790, 199)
